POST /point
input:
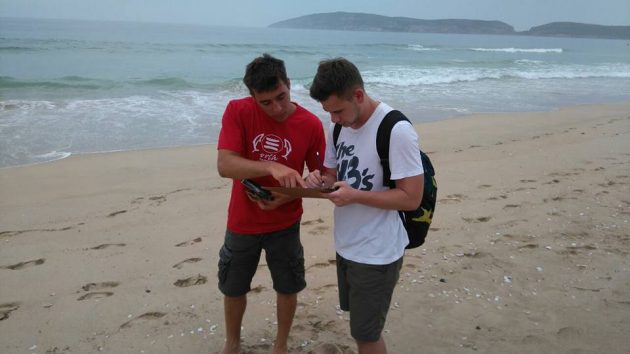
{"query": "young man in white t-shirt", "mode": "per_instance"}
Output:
(370, 238)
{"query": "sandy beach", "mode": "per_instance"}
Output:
(528, 252)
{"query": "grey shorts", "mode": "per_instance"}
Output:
(240, 254)
(366, 291)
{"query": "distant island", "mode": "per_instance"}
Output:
(351, 21)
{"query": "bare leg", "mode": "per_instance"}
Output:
(234, 308)
(286, 310)
(377, 347)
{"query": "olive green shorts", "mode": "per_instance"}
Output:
(240, 254)
(366, 291)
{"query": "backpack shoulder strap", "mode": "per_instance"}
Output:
(383, 136)
(336, 132)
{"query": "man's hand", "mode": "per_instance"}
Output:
(316, 179)
(343, 194)
(286, 176)
(278, 200)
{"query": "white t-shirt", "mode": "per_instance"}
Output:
(362, 233)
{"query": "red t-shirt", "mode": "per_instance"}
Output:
(247, 130)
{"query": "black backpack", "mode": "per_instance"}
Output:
(416, 221)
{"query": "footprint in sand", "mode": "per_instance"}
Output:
(257, 290)
(137, 200)
(107, 245)
(511, 206)
(311, 222)
(318, 230)
(26, 264)
(574, 250)
(158, 199)
(97, 294)
(323, 288)
(502, 196)
(527, 242)
(19, 232)
(110, 215)
(322, 265)
(189, 243)
(323, 326)
(99, 286)
(607, 184)
(144, 317)
(479, 219)
(190, 281)
(570, 333)
(180, 265)
(558, 198)
(7, 308)
(563, 174)
(524, 189)
(476, 254)
(452, 198)
(12, 233)
(529, 246)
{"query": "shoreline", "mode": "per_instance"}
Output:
(452, 117)
(528, 250)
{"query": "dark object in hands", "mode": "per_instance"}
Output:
(255, 189)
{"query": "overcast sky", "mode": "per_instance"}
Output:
(522, 14)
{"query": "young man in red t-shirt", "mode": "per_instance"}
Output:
(267, 138)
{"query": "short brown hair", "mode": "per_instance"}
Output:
(335, 77)
(265, 74)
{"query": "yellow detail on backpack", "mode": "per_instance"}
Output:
(425, 217)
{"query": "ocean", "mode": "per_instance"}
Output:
(76, 87)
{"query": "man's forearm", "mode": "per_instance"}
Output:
(392, 199)
(232, 165)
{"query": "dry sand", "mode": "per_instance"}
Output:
(117, 252)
